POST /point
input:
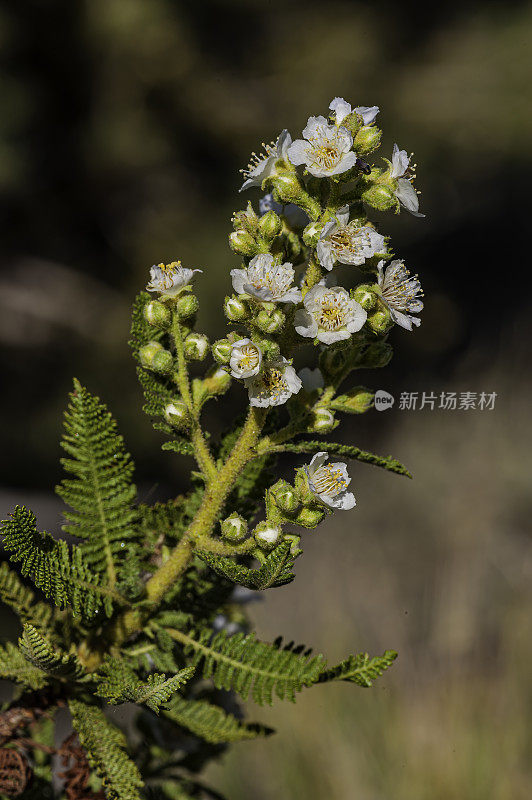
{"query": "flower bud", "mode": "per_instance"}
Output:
(352, 122)
(270, 321)
(356, 401)
(333, 360)
(217, 381)
(285, 496)
(157, 314)
(311, 234)
(287, 188)
(196, 346)
(186, 305)
(269, 225)
(177, 414)
(235, 309)
(221, 350)
(322, 421)
(378, 354)
(153, 356)
(365, 296)
(243, 242)
(380, 197)
(309, 516)
(267, 535)
(234, 528)
(380, 320)
(367, 139)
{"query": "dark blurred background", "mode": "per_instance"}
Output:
(123, 126)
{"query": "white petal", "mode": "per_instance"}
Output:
(283, 143)
(305, 324)
(316, 126)
(406, 194)
(317, 461)
(368, 113)
(325, 254)
(329, 337)
(298, 152)
(380, 273)
(239, 277)
(358, 319)
(342, 215)
(342, 137)
(347, 161)
(291, 296)
(262, 293)
(400, 162)
(341, 109)
(311, 379)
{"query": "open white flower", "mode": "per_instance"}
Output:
(342, 109)
(400, 293)
(405, 192)
(347, 242)
(330, 315)
(262, 165)
(329, 482)
(170, 279)
(246, 358)
(325, 149)
(266, 280)
(274, 385)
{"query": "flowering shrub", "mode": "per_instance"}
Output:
(146, 607)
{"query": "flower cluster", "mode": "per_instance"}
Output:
(310, 228)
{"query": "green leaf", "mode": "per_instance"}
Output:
(346, 450)
(360, 669)
(243, 663)
(60, 573)
(15, 667)
(105, 750)
(100, 492)
(276, 569)
(21, 599)
(181, 446)
(40, 652)
(211, 722)
(118, 683)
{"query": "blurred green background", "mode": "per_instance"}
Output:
(123, 126)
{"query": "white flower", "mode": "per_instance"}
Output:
(329, 315)
(170, 279)
(311, 379)
(246, 358)
(405, 192)
(342, 109)
(329, 482)
(400, 293)
(325, 150)
(263, 165)
(266, 280)
(273, 386)
(346, 242)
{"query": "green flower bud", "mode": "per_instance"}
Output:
(287, 188)
(186, 305)
(235, 309)
(311, 234)
(310, 516)
(322, 421)
(285, 496)
(352, 122)
(270, 349)
(365, 295)
(356, 401)
(378, 354)
(234, 528)
(380, 320)
(270, 321)
(221, 351)
(380, 197)
(367, 139)
(177, 414)
(243, 242)
(247, 219)
(333, 360)
(267, 535)
(157, 314)
(153, 356)
(196, 346)
(269, 225)
(217, 381)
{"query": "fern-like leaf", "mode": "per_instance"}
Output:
(346, 450)
(105, 750)
(243, 663)
(39, 651)
(276, 569)
(118, 683)
(100, 492)
(15, 667)
(360, 669)
(211, 722)
(19, 597)
(60, 573)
